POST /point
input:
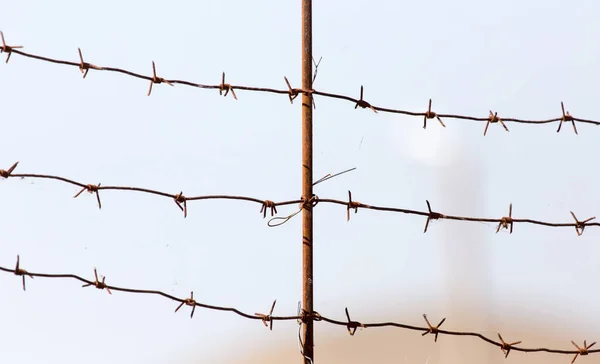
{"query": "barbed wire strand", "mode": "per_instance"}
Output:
(301, 316)
(505, 222)
(292, 93)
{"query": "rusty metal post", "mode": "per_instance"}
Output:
(307, 185)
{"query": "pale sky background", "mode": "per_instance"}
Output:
(519, 58)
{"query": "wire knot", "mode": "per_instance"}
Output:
(303, 315)
(362, 103)
(90, 188)
(6, 48)
(226, 87)
(189, 302)
(181, 199)
(493, 118)
(6, 174)
(97, 283)
(580, 225)
(582, 351)
(316, 316)
(268, 204)
(84, 67)
(351, 326)
(432, 329)
(505, 347)
(566, 117)
(156, 79)
(430, 115)
(506, 221)
(431, 216)
(351, 205)
(292, 92)
(268, 318)
(309, 203)
(21, 272)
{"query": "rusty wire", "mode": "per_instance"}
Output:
(181, 200)
(505, 222)
(292, 93)
(268, 319)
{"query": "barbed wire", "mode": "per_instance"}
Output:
(505, 222)
(224, 89)
(302, 316)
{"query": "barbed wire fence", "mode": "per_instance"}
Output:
(225, 88)
(270, 207)
(269, 318)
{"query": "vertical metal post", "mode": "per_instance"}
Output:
(307, 185)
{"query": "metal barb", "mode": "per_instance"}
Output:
(505, 347)
(6, 174)
(566, 117)
(226, 87)
(156, 79)
(268, 318)
(506, 221)
(351, 205)
(432, 329)
(97, 283)
(351, 326)
(21, 272)
(189, 302)
(362, 103)
(432, 216)
(6, 48)
(293, 93)
(493, 118)
(582, 351)
(268, 204)
(181, 199)
(84, 67)
(580, 225)
(91, 189)
(430, 115)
